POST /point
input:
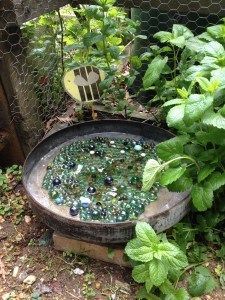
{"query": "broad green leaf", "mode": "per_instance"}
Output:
(163, 36)
(179, 41)
(215, 136)
(173, 255)
(196, 106)
(214, 49)
(91, 38)
(151, 170)
(154, 71)
(205, 172)
(196, 71)
(183, 184)
(175, 116)
(181, 30)
(217, 31)
(173, 102)
(167, 288)
(171, 175)
(203, 82)
(140, 273)
(146, 234)
(214, 119)
(202, 197)
(216, 181)
(157, 272)
(201, 282)
(148, 284)
(172, 147)
(114, 52)
(138, 252)
(219, 74)
(180, 294)
(196, 45)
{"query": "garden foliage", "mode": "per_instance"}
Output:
(189, 82)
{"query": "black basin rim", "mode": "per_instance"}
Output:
(160, 135)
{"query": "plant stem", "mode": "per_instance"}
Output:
(62, 41)
(182, 157)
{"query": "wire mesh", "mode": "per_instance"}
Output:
(34, 58)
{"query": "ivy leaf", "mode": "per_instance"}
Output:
(183, 184)
(151, 170)
(175, 116)
(214, 119)
(202, 197)
(180, 294)
(201, 282)
(154, 71)
(196, 106)
(171, 175)
(137, 251)
(157, 271)
(172, 147)
(146, 234)
(140, 273)
(205, 172)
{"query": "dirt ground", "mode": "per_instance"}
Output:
(30, 268)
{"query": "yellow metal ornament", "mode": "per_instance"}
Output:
(82, 84)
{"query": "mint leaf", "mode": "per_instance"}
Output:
(171, 175)
(181, 30)
(180, 294)
(202, 197)
(196, 106)
(163, 36)
(183, 184)
(154, 71)
(146, 234)
(140, 273)
(157, 271)
(144, 295)
(171, 148)
(167, 288)
(216, 181)
(214, 119)
(175, 116)
(148, 284)
(173, 102)
(137, 251)
(151, 170)
(200, 282)
(174, 256)
(205, 172)
(214, 49)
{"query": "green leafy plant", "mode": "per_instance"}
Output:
(106, 37)
(157, 263)
(194, 160)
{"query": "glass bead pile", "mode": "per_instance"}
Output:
(99, 179)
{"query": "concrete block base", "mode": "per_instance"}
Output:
(116, 255)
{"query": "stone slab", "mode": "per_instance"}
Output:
(64, 243)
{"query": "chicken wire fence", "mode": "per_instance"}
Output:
(33, 36)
